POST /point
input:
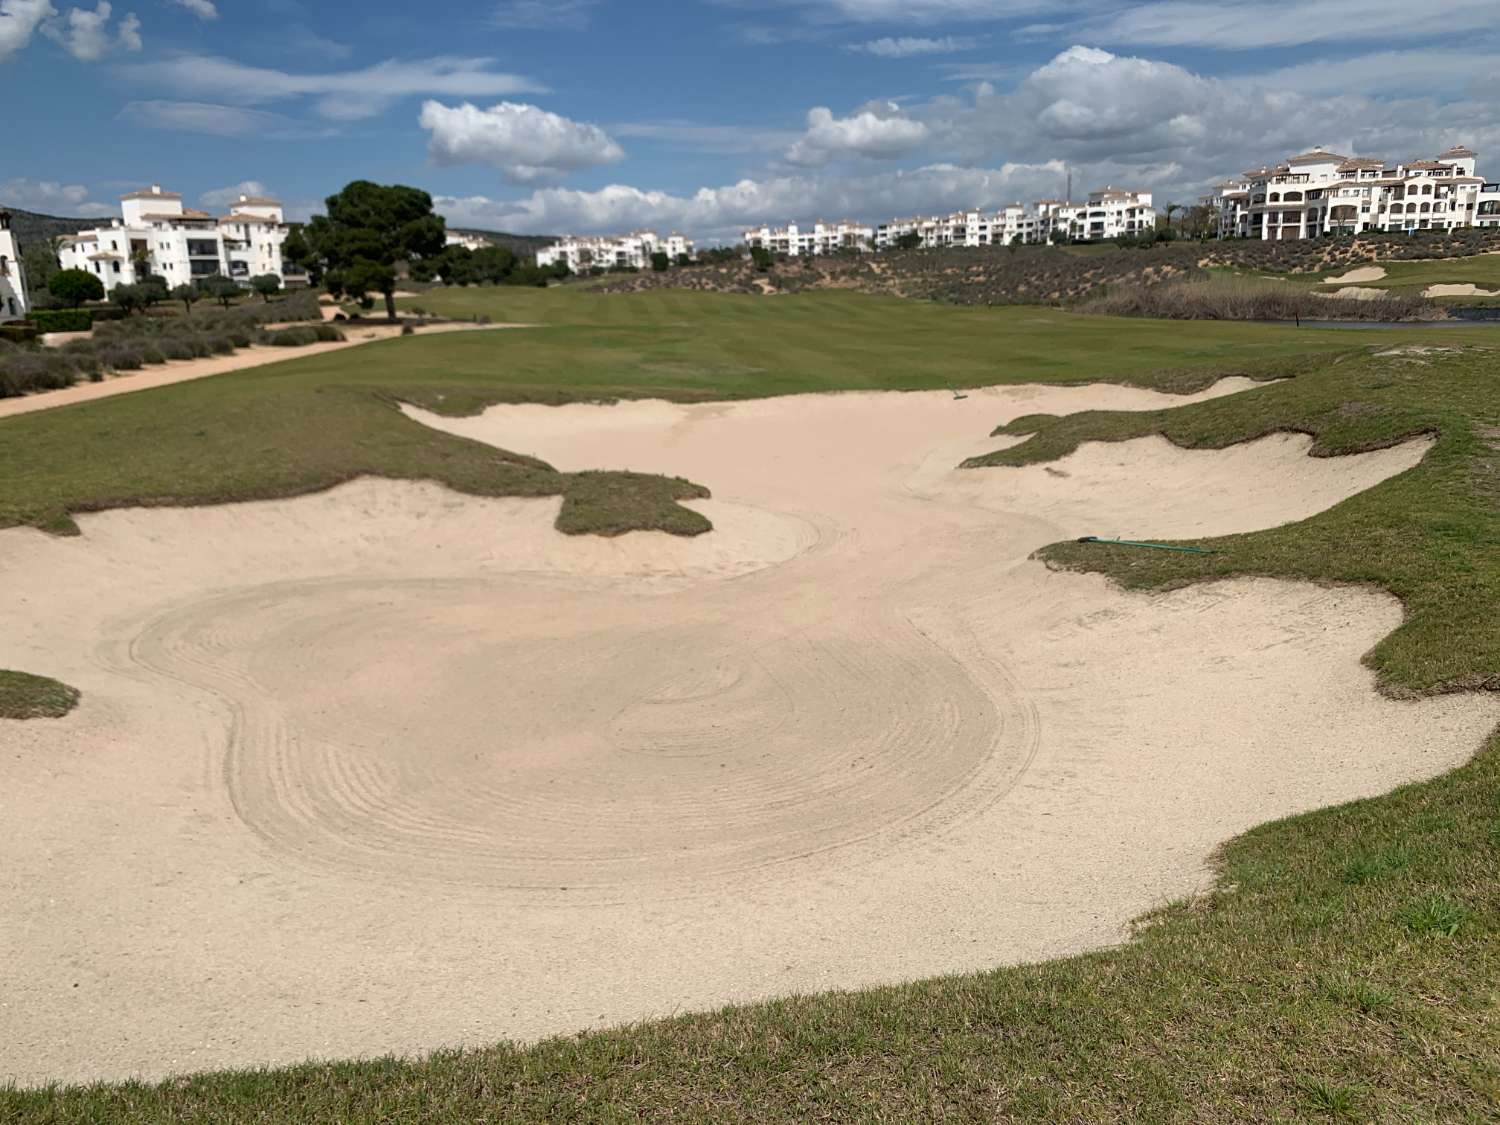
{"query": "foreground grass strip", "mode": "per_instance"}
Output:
(1288, 993)
(24, 696)
(1430, 536)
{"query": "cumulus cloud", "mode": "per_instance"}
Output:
(87, 36)
(882, 135)
(1105, 118)
(19, 20)
(724, 211)
(525, 142)
(908, 46)
(203, 9)
(347, 95)
(50, 197)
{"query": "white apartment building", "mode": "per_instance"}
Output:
(630, 251)
(823, 238)
(1012, 223)
(156, 236)
(13, 303)
(1320, 192)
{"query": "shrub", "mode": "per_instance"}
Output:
(300, 335)
(61, 320)
(73, 287)
(24, 371)
(121, 357)
(18, 333)
(408, 330)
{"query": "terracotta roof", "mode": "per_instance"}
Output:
(1459, 150)
(147, 193)
(1427, 165)
(168, 217)
(259, 201)
(1356, 162)
(1316, 156)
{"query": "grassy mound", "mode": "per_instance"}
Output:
(24, 696)
(1247, 299)
(1430, 536)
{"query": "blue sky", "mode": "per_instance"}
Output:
(707, 115)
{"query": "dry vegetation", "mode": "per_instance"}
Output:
(119, 346)
(1056, 275)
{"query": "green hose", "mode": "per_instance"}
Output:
(1151, 546)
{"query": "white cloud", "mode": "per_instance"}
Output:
(908, 46)
(871, 134)
(216, 120)
(348, 95)
(86, 34)
(224, 196)
(50, 197)
(203, 9)
(1285, 23)
(527, 143)
(724, 211)
(1105, 118)
(542, 15)
(19, 20)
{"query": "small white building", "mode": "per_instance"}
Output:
(629, 251)
(13, 302)
(1318, 193)
(468, 239)
(156, 236)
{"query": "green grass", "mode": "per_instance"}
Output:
(1431, 536)
(1345, 964)
(314, 422)
(1411, 277)
(24, 696)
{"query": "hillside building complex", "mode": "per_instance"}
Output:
(630, 251)
(1109, 213)
(156, 236)
(12, 273)
(1320, 193)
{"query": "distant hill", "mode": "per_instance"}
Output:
(519, 244)
(30, 227)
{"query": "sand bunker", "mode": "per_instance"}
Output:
(1357, 276)
(388, 768)
(1468, 289)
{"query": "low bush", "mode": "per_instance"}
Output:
(25, 371)
(17, 333)
(61, 320)
(300, 335)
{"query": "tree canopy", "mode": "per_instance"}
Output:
(369, 229)
(73, 287)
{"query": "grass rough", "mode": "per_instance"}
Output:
(24, 696)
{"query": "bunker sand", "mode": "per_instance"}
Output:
(388, 768)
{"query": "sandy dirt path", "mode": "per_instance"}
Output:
(388, 768)
(180, 371)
